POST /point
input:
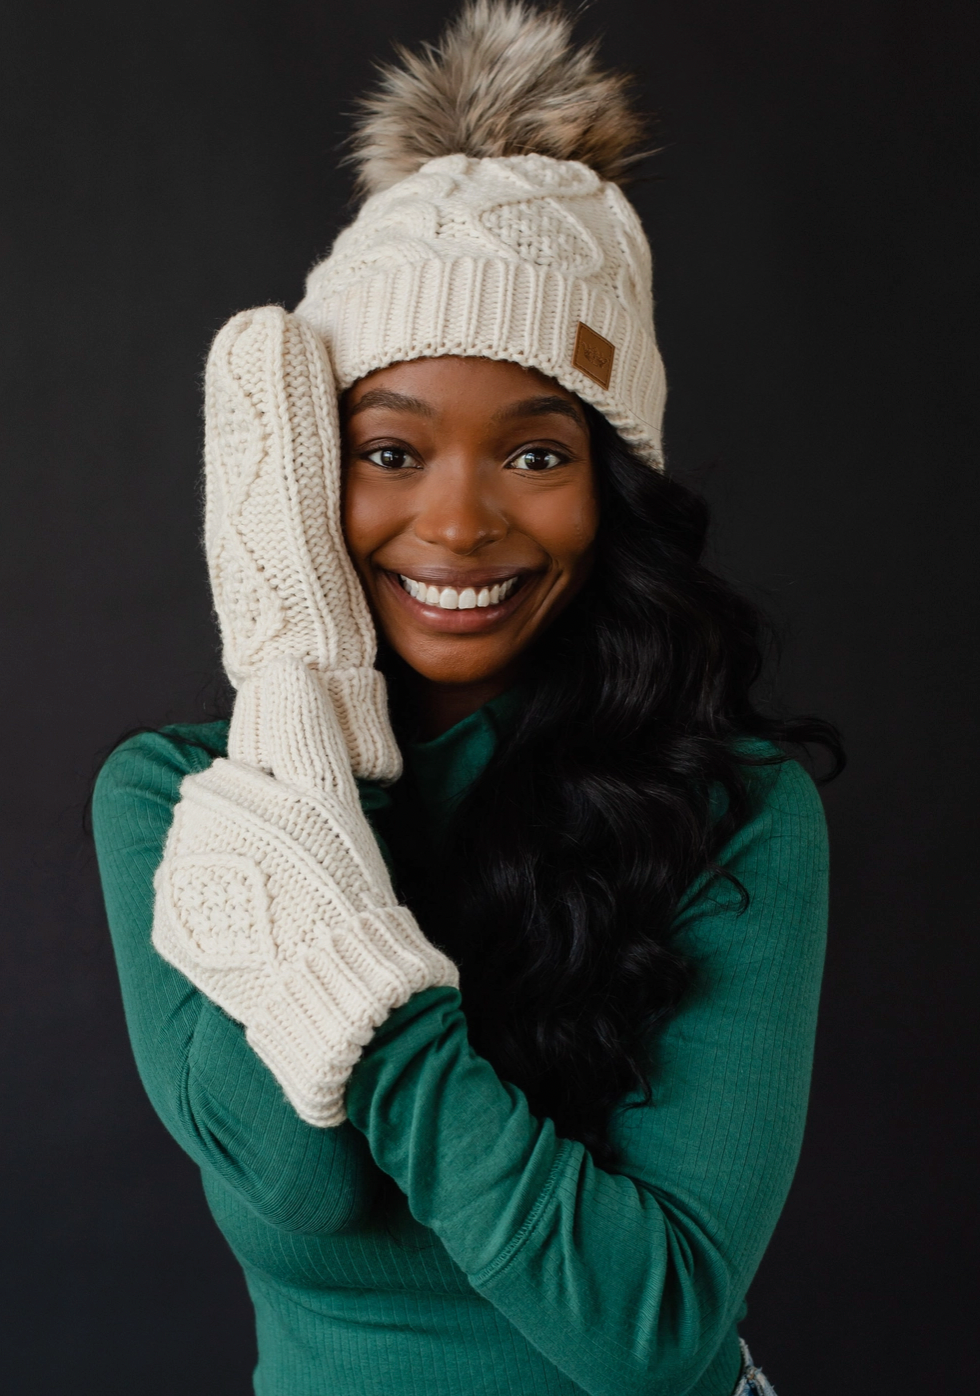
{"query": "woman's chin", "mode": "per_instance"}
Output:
(459, 661)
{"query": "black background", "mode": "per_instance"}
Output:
(814, 236)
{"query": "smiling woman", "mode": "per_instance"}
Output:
(470, 511)
(489, 1017)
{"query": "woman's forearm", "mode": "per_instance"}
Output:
(628, 1280)
(209, 1088)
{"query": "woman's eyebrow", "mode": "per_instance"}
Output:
(400, 402)
(543, 406)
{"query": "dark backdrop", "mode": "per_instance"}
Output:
(165, 165)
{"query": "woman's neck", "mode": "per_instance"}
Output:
(440, 706)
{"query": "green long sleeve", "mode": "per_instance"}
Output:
(629, 1281)
(493, 1258)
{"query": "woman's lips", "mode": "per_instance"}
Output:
(471, 616)
(462, 597)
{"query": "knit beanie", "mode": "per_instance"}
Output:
(494, 225)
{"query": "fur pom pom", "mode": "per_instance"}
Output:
(504, 79)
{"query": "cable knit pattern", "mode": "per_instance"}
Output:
(500, 258)
(273, 899)
(272, 896)
(282, 580)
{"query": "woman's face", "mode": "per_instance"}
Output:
(469, 510)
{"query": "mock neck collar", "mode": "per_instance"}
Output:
(444, 768)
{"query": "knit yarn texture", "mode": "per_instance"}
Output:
(274, 900)
(272, 897)
(283, 582)
(500, 258)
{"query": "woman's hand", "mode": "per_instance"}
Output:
(284, 586)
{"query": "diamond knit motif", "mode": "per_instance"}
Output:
(546, 233)
(221, 906)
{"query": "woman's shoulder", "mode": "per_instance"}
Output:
(144, 772)
(779, 789)
(765, 894)
(132, 810)
(774, 783)
(150, 765)
(783, 831)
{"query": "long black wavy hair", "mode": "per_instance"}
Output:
(595, 814)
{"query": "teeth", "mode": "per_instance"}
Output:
(452, 600)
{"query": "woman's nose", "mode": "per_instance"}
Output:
(458, 509)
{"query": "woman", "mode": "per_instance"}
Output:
(495, 1067)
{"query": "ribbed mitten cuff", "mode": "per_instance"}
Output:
(275, 724)
(324, 1009)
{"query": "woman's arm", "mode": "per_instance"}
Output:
(629, 1281)
(209, 1088)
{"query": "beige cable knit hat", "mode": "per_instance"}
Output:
(494, 226)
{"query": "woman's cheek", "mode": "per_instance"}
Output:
(369, 519)
(564, 523)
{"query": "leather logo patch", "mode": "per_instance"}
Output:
(593, 355)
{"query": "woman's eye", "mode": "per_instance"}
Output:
(537, 458)
(389, 457)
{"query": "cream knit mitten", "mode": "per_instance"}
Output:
(282, 580)
(272, 897)
(274, 900)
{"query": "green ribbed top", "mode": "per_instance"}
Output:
(444, 1242)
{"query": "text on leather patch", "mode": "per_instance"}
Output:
(593, 355)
